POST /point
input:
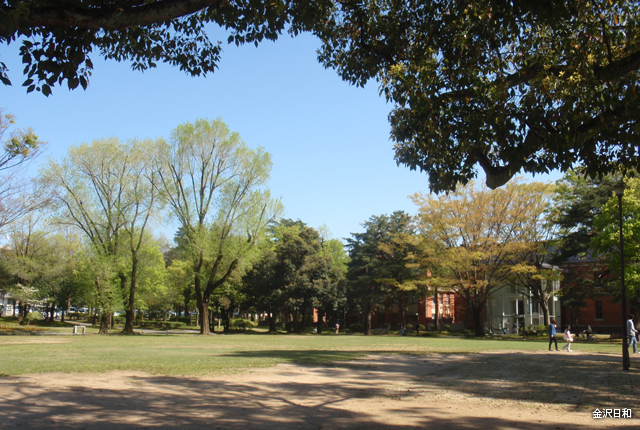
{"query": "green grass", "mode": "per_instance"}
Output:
(202, 355)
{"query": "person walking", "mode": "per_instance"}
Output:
(552, 334)
(568, 337)
(632, 332)
(337, 328)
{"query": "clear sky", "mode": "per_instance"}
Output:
(332, 158)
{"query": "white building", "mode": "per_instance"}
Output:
(514, 305)
(6, 304)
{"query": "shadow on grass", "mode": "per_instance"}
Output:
(319, 356)
(330, 396)
(586, 379)
(189, 403)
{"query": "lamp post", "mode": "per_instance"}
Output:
(619, 190)
(524, 316)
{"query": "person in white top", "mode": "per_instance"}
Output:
(631, 332)
(568, 337)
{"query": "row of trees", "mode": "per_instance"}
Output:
(86, 236)
(108, 193)
(475, 241)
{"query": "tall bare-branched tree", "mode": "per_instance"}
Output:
(214, 186)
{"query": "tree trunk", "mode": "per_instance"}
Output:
(20, 313)
(226, 319)
(104, 323)
(403, 313)
(303, 318)
(203, 316)
(128, 325)
(319, 323)
(544, 305)
(367, 321)
(436, 305)
(272, 323)
(477, 320)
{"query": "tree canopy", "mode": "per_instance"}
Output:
(606, 241)
(496, 84)
(215, 190)
(475, 235)
(509, 86)
(58, 38)
(299, 270)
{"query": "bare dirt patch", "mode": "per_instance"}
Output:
(439, 391)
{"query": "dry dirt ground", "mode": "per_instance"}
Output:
(507, 390)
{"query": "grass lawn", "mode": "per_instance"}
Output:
(185, 381)
(184, 354)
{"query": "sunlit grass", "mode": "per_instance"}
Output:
(170, 354)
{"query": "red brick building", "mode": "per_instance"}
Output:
(451, 309)
(599, 309)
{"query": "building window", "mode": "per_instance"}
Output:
(535, 306)
(599, 310)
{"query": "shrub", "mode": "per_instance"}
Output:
(421, 327)
(119, 319)
(34, 316)
(467, 333)
(386, 326)
(240, 323)
(409, 327)
(186, 320)
(447, 327)
(162, 325)
(431, 334)
(542, 329)
(356, 327)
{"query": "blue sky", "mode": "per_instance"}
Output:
(332, 158)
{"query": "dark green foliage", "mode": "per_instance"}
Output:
(356, 328)
(378, 267)
(58, 38)
(241, 324)
(578, 201)
(162, 325)
(500, 85)
(295, 275)
(185, 320)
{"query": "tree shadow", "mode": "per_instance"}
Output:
(188, 403)
(406, 388)
(584, 380)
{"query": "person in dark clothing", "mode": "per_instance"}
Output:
(552, 334)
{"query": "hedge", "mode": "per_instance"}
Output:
(163, 325)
